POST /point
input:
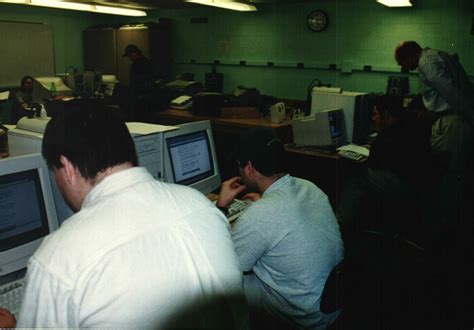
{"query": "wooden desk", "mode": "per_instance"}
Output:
(327, 170)
(226, 125)
(226, 133)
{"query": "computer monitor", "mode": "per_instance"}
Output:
(325, 129)
(90, 82)
(42, 88)
(357, 109)
(27, 211)
(190, 157)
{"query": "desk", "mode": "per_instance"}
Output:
(226, 133)
(226, 125)
(327, 170)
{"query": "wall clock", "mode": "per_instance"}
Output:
(318, 20)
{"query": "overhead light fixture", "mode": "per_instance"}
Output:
(22, 2)
(226, 4)
(395, 3)
(79, 6)
(61, 5)
(119, 11)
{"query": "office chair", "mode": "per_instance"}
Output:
(332, 296)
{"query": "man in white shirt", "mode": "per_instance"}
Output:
(138, 253)
(288, 240)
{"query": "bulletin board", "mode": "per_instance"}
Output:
(26, 49)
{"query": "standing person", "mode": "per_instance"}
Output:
(141, 81)
(138, 253)
(448, 94)
(449, 97)
(288, 240)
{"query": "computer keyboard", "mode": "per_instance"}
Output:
(350, 154)
(11, 295)
(236, 208)
(353, 151)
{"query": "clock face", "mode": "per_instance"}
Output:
(317, 20)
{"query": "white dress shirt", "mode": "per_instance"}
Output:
(139, 253)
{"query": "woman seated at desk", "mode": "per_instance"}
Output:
(23, 99)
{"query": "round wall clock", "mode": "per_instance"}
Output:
(318, 20)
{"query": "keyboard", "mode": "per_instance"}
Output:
(11, 295)
(350, 155)
(353, 151)
(236, 208)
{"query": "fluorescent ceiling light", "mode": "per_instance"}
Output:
(395, 3)
(15, 1)
(79, 6)
(226, 4)
(119, 11)
(61, 5)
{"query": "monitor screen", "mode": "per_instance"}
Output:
(22, 210)
(336, 124)
(190, 157)
(27, 209)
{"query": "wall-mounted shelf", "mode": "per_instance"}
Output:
(294, 65)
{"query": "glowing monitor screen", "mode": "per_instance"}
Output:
(22, 209)
(27, 209)
(336, 124)
(190, 157)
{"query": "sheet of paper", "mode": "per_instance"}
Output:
(4, 95)
(145, 128)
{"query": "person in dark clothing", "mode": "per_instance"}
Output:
(141, 82)
(24, 96)
(382, 223)
(23, 102)
(398, 164)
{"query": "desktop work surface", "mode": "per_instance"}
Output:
(226, 125)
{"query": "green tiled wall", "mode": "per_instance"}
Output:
(360, 33)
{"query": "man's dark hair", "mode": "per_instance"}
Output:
(263, 149)
(407, 50)
(91, 137)
(390, 104)
(23, 81)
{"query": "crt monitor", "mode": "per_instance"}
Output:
(190, 157)
(27, 211)
(357, 109)
(322, 129)
(42, 88)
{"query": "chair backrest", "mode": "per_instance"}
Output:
(5, 111)
(331, 298)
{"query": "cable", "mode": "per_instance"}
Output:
(308, 95)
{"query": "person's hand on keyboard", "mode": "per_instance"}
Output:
(229, 190)
(7, 319)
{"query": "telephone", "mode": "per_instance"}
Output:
(353, 151)
(182, 102)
